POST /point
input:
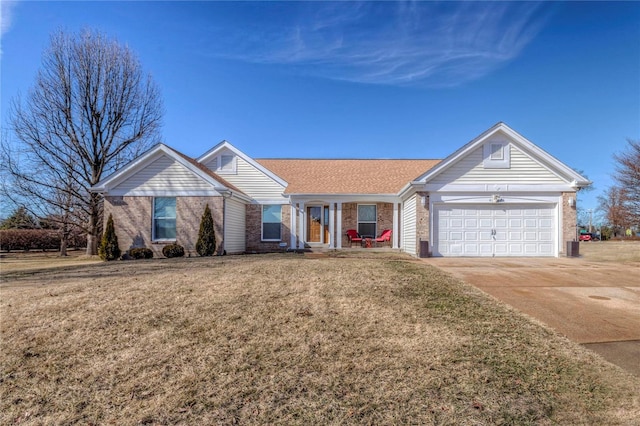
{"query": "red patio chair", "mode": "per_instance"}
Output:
(353, 236)
(385, 237)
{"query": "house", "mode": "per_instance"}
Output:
(498, 195)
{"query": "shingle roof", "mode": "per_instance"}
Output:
(341, 176)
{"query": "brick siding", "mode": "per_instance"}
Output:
(422, 220)
(132, 218)
(384, 212)
(254, 230)
(569, 220)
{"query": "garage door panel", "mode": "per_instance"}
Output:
(495, 230)
(471, 236)
(545, 236)
(485, 249)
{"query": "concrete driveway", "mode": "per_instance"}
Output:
(594, 300)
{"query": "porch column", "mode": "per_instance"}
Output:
(396, 230)
(294, 231)
(301, 226)
(339, 226)
(332, 224)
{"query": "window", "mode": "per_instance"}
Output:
(271, 219)
(164, 218)
(367, 217)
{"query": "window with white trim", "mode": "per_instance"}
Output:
(367, 219)
(271, 222)
(164, 219)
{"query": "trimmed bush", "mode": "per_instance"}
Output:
(173, 250)
(140, 253)
(109, 249)
(206, 244)
(37, 239)
(29, 239)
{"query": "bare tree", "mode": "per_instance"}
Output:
(90, 110)
(628, 177)
(613, 205)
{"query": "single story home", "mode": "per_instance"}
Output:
(498, 195)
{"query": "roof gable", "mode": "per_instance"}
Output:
(226, 146)
(548, 167)
(161, 158)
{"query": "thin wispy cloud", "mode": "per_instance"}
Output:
(405, 43)
(6, 14)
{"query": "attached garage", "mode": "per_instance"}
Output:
(494, 230)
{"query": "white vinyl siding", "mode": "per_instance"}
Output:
(234, 226)
(409, 230)
(471, 170)
(164, 174)
(252, 181)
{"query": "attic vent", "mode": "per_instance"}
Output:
(496, 155)
(223, 163)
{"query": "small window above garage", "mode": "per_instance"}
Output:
(496, 155)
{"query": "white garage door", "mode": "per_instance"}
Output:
(494, 230)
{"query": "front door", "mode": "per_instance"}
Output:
(318, 224)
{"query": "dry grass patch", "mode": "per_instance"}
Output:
(31, 261)
(611, 251)
(286, 339)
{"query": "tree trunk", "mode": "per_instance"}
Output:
(63, 245)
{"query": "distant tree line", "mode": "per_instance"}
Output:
(620, 203)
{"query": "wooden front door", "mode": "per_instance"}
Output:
(314, 224)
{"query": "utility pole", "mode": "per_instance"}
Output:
(590, 211)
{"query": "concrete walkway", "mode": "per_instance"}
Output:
(596, 304)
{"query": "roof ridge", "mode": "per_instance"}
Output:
(349, 159)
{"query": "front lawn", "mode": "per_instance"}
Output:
(291, 340)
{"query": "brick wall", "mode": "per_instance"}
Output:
(384, 213)
(254, 230)
(132, 218)
(189, 212)
(569, 220)
(422, 220)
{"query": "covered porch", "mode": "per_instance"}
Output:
(323, 222)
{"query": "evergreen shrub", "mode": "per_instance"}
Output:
(206, 245)
(173, 250)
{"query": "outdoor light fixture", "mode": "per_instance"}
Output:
(572, 202)
(496, 198)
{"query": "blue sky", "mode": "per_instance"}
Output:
(368, 80)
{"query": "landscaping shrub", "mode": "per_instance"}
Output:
(140, 253)
(206, 244)
(173, 250)
(109, 249)
(29, 239)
